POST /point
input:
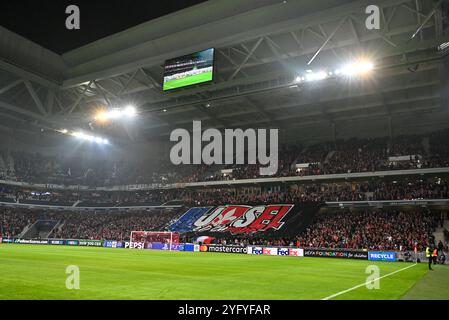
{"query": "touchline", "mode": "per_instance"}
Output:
(189, 148)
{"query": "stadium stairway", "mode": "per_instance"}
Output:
(426, 145)
(2, 165)
(57, 227)
(446, 231)
(41, 229)
(440, 232)
(446, 224)
(76, 203)
(329, 156)
(10, 163)
(21, 234)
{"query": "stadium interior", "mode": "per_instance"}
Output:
(363, 154)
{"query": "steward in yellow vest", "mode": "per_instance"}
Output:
(429, 257)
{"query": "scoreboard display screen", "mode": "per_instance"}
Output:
(189, 70)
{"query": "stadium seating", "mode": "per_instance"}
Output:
(374, 229)
(370, 229)
(373, 189)
(342, 156)
(85, 225)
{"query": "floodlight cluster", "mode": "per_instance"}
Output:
(84, 136)
(116, 113)
(355, 69)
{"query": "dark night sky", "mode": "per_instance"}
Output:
(43, 21)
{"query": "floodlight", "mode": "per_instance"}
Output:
(87, 137)
(315, 76)
(78, 134)
(130, 111)
(357, 68)
(114, 114)
(102, 116)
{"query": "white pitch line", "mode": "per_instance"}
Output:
(365, 283)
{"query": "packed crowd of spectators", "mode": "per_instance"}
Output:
(71, 170)
(13, 221)
(341, 156)
(244, 241)
(379, 230)
(117, 226)
(347, 156)
(87, 225)
(370, 229)
(376, 189)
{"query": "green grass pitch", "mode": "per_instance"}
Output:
(39, 272)
(195, 79)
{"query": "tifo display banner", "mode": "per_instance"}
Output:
(382, 256)
(186, 222)
(329, 253)
(271, 251)
(282, 219)
(223, 248)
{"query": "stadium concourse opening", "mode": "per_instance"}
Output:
(135, 161)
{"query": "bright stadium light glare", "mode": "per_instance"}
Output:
(356, 68)
(316, 76)
(81, 135)
(102, 116)
(130, 111)
(78, 134)
(63, 131)
(115, 114)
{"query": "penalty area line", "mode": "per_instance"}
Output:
(366, 282)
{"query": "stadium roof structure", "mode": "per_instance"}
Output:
(262, 46)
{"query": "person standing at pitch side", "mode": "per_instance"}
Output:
(429, 256)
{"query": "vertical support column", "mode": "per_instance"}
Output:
(444, 84)
(390, 127)
(334, 131)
